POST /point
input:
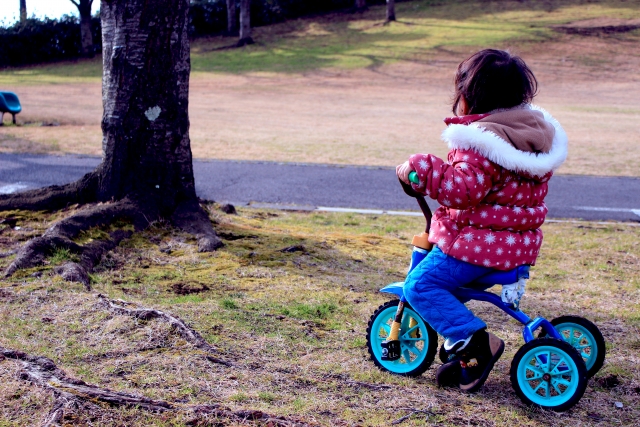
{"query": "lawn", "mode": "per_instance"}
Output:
(346, 89)
(292, 322)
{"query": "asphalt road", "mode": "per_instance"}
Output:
(312, 186)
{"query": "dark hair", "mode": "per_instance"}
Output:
(493, 79)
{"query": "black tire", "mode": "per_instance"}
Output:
(529, 372)
(593, 361)
(400, 367)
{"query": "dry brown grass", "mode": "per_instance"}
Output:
(373, 115)
(294, 323)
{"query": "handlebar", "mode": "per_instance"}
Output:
(424, 207)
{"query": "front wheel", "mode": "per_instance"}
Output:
(418, 343)
(549, 373)
(585, 337)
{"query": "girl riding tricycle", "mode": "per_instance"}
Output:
(491, 189)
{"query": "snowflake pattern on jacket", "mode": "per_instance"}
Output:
(491, 196)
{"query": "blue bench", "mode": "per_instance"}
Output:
(9, 103)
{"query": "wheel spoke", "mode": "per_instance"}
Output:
(580, 347)
(538, 373)
(412, 339)
(553, 384)
(413, 349)
(407, 356)
(562, 381)
(585, 355)
(544, 364)
(544, 385)
(407, 334)
(556, 371)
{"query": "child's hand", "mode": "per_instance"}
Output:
(403, 172)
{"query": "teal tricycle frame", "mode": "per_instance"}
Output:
(550, 370)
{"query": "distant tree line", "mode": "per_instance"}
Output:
(38, 41)
(33, 41)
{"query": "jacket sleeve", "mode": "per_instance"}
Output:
(460, 183)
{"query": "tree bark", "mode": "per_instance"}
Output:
(23, 12)
(245, 23)
(232, 25)
(391, 10)
(86, 36)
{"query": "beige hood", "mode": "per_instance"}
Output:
(525, 129)
(525, 139)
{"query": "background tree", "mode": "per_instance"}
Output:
(86, 38)
(391, 10)
(146, 173)
(245, 23)
(232, 26)
(361, 5)
(23, 12)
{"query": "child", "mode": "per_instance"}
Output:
(502, 152)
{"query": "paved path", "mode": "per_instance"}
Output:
(309, 186)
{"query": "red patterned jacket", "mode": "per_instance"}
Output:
(492, 193)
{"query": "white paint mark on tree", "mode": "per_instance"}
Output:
(153, 113)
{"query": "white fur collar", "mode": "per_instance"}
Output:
(496, 149)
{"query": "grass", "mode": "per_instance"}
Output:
(294, 322)
(423, 29)
(348, 41)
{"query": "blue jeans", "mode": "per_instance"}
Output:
(428, 289)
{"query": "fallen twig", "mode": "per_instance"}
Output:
(412, 413)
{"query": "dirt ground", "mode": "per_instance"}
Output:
(374, 116)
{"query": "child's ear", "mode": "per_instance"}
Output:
(463, 107)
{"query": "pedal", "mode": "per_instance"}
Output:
(390, 350)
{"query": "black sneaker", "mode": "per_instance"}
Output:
(477, 359)
(448, 374)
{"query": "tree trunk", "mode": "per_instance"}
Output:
(245, 23)
(23, 12)
(232, 26)
(86, 36)
(391, 10)
(361, 5)
(145, 92)
(146, 171)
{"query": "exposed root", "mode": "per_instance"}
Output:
(192, 218)
(189, 334)
(44, 373)
(53, 197)
(60, 235)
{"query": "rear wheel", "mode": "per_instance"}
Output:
(549, 373)
(418, 344)
(585, 337)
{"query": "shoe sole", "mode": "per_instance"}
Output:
(497, 352)
(448, 374)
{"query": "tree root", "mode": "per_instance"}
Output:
(44, 373)
(190, 217)
(193, 219)
(186, 332)
(60, 235)
(53, 197)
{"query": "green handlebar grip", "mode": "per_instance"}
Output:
(413, 177)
